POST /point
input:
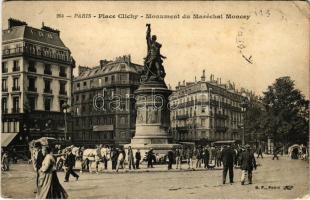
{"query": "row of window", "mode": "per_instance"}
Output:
(32, 85)
(32, 104)
(204, 97)
(10, 127)
(122, 78)
(32, 68)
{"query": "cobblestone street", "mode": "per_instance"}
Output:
(273, 179)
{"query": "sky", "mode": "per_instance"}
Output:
(272, 43)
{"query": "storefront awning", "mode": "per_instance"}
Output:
(6, 138)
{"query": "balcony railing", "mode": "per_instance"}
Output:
(221, 116)
(32, 69)
(15, 110)
(16, 68)
(47, 90)
(63, 92)
(220, 129)
(32, 89)
(62, 74)
(181, 117)
(15, 88)
(30, 51)
(48, 72)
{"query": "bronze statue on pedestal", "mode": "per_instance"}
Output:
(153, 68)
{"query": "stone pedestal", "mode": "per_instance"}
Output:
(153, 118)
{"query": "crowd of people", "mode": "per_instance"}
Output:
(48, 159)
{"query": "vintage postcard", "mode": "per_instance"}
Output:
(155, 100)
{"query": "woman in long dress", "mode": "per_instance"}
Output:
(49, 186)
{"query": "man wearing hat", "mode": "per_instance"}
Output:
(247, 163)
(69, 164)
(227, 157)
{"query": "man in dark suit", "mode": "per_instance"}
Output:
(170, 159)
(69, 164)
(138, 158)
(247, 163)
(227, 157)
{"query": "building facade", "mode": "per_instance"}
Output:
(36, 82)
(104, 103)
(206, 110)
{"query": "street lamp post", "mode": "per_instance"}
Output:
(244, 106)
(65, 107)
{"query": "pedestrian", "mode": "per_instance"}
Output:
(138, 158)
(104, 155)
(5, 161)
(275, 153)
(49, 186)
(98, 158)
(131, 162)
(206, 157)
(170, 159)
(114, 156)
(218, 161)
(38, 158)
(198, 157)
(189, 157)
(69, 165)
(14, 156)
(247, 163)
(178, 157)
(120, 160)
(228, 156)
(150, 158)
(259, 152)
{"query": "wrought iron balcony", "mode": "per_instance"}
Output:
(62, 74)
(15, 110)
(63, 92)
(38, 53)
(220, 129)
(15, 88)
(16, 68)
(48, 90)
(32, 89)
(32, 69)
(48, 72)
(182, 117)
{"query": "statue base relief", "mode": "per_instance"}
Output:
(153, 118)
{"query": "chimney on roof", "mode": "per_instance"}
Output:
(203, 77)
(103, 63)
(49, 29)
(184, 82)
(195, 79)
(169, 86)
(82, 69)
(14, 22)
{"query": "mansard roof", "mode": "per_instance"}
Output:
(26, 32)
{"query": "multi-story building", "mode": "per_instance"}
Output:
(104, 102)
(36, 82)
(206, 110)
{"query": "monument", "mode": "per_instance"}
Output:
(153, 114)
